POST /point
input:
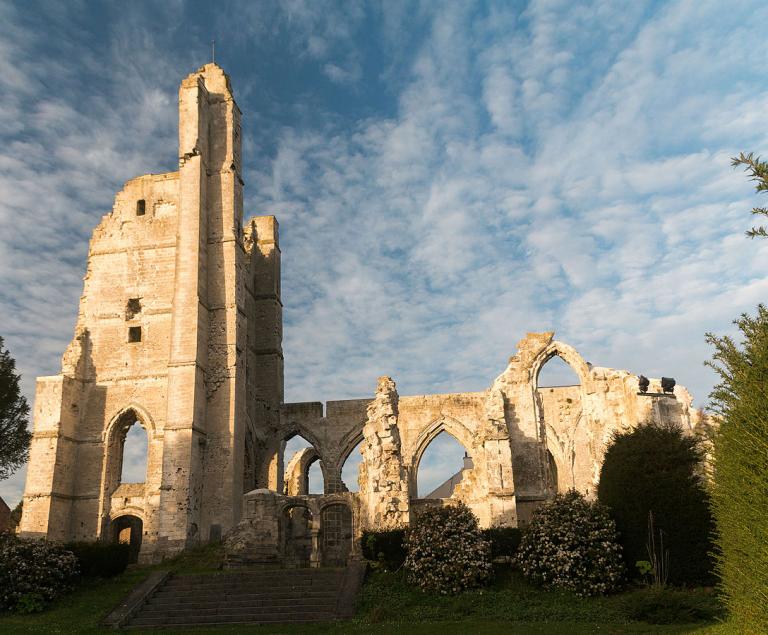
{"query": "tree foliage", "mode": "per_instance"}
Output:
(14, 410)
(757, 171)
(656, 468)
(740, 492)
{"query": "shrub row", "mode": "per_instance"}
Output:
(35, 572)
(388, 548)
(99, 559)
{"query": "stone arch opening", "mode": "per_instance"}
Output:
(350, 468)
(128, 441)
(556, 373)
(441, 466)
(134, 454)
(559, 387)
(303, 471)
(336, 533)
(296, 532)
(128, 529)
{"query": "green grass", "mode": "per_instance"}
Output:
(389, 606)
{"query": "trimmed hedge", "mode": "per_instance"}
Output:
(389, 550)
(385, 547)
(100, 559)
(655, 468)
(740, 492)
(505, 541)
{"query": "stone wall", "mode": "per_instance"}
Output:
(526, 443)
(179, 330)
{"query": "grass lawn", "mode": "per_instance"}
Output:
(389, 606)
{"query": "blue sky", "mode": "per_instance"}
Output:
(447, 175)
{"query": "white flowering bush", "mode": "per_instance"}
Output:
(572, 544)
(446, 551)
(33, 572)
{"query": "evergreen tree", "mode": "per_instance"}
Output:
(14, 436)
(656, 469)
(740, 492)
(758, 171)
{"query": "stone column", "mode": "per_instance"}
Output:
(383, 477)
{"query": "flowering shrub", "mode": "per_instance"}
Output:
(446, 551)
(572, 544)
(32, 573)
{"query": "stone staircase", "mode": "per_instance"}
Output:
(269, 596)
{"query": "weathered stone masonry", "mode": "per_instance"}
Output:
(180, 329)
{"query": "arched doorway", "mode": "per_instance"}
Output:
(336, 532)
(128, 530)
(296, 529)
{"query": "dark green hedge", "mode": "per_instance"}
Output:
(385, 547)
(655, 469)
(100, 559)
(504, 541)
(388, 547)
(740, 489)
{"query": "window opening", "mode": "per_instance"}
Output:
(134, 468)
(350, 471)
(141, 207)
(133, 308)
(557, 372)
(134, 334)
(441, 467)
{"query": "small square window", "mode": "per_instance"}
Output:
(132, 308)
(134, 334)
(141, 207)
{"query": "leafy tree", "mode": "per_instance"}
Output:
(758, 171)
(656, 468)
(740, 492)
(14, 436)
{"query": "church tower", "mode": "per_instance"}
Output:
(179, 331)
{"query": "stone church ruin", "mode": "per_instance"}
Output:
(179, 331)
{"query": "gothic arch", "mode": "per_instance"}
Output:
(296, 429)
(142, 417)
(453, 427)
(444, 424)
(565, 352)
(296, 472)
(348, 443)
(113, 438)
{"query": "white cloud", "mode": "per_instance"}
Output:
(561, 167)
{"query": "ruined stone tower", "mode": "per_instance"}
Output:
(179, 329)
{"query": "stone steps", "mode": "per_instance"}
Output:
(254, 597)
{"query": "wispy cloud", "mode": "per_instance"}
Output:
(446, 178)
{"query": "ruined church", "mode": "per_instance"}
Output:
(179, 331)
